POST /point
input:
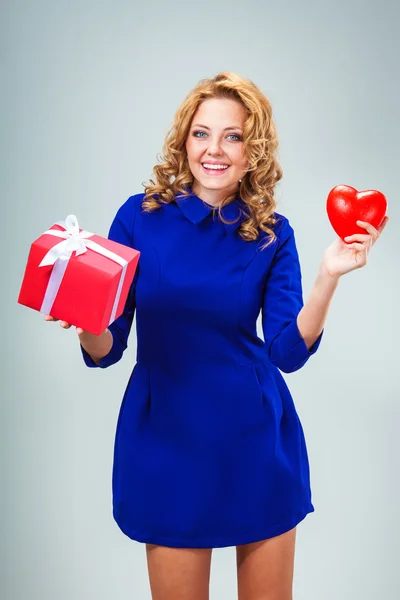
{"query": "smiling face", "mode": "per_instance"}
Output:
(215, 148)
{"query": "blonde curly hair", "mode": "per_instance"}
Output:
(256, 189)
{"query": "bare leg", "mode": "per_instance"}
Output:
(178, 573)
(265, 569)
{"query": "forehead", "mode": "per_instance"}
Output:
(220, 111)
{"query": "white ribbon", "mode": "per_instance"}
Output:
(60, 254)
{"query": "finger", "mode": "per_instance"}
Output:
(357, 246)
(383, 225)
(79, 330)
(357, 237)
(375, 233)
(49, 318)
(370, 228)
(65, 325)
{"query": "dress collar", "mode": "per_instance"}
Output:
(196, 210)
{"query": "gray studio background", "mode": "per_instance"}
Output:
(89, 90)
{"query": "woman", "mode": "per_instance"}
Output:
(209, 449)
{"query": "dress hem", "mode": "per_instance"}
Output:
(216, 542)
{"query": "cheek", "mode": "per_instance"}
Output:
(239, 159)
(236, 154)
(191, 151)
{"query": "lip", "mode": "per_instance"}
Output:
(214, 172)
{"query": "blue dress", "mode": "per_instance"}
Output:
(209, 449)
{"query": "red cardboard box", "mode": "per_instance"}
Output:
(77, 276)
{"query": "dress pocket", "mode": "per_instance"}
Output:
(270, 395)
(258, 385)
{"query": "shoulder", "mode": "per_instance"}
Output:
(128, 211)
(282, 229)
(123, 223)
(281, 222)
(131, 206)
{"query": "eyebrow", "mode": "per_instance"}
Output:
(226, 128)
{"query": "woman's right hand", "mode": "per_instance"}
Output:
(64, 324)
(96, 346)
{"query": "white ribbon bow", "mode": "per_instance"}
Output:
(60, 254)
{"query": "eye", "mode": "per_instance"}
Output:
(201, 134)
(196, 132)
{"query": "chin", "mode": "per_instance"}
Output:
(214, 184)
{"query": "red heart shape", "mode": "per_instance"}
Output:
(345, 206)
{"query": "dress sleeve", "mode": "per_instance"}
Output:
(121, 231)
(282, 302)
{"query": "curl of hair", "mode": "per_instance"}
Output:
(256, 189)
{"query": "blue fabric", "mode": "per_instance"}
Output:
(209, 449)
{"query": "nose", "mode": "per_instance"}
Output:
(214, 147)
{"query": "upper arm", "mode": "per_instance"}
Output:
(121, 231)
(282, 302)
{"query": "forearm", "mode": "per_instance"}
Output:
(311, 319)
(97, 346)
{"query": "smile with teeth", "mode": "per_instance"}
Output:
(215, 167)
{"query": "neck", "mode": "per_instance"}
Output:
(211, 197)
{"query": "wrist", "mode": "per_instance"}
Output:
(326, 277)
(96, 345)
(85, 335)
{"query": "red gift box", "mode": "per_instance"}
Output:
(77, 276)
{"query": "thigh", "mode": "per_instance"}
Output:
(265, 569)
(178, 573)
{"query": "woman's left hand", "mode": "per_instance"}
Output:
(344, 256)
